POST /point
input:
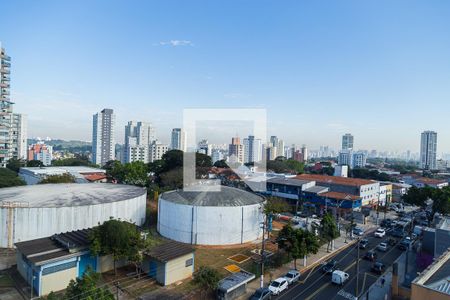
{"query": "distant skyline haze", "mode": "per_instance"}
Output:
(378, 70)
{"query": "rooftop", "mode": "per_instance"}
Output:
(317, 189)
(227, 196)
(61, 170)
(437, 275)
(289, 181)
(169, 251)
(335, 180)
(235, 280)
(340, 196)
(59, 195)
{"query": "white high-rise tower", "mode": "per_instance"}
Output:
(103, 142)
(428, 149)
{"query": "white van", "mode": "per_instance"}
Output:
(339, 277)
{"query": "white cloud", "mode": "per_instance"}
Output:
(176, 43)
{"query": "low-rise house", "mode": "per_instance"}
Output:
(48, 264)
(169, 262)
(34, 175)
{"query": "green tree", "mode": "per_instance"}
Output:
(9, 178)
(418, 196)
(15, 164)
(207, 278)
(329, 229)
(221, 164)
(35, 163)
(275, 205)
(85, 288)
(63, 178)
(298, 243)
(120, 239)
(172, 179)
(441, 201)
(295, 166)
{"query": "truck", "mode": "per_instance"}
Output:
(339, 277)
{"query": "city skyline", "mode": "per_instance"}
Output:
(375, 89)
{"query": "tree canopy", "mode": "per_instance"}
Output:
(15, 164)
(85, 287)
(9, 178)
(328, 229)
(419, 197)
(120, 239)
(63, 178)
(207, 277)
(282, 165)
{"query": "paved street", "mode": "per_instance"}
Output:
(316, 285)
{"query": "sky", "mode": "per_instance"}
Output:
(377, 69)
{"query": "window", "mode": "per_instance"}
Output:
(189, 262)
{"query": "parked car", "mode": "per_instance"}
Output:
(404, 244)
(378, 267)
(329, 267)
(370, 255)
(339, 277)
(380, 233)
(278, 285)
(363, 243)
(292, 276)
(383, 247)
(358, 231)
(261, 294)
(397, 233)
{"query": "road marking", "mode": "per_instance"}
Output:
(309, 274)
(318, 291)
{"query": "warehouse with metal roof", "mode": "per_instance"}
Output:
(210, 217)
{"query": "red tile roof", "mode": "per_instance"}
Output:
(95, 177)
(340, 196)
(335, 179)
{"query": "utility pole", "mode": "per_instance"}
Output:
(117, 290)
(263, 253)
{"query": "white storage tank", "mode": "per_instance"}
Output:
(36, 211)
(208, 217)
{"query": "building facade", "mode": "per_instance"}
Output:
(41, 152)
(103, 141)
(347, 141)
(157, 150)
(236, 151)
(252, 149)
(428, 149)
(178, 140)
(138, 137)
(13, 126)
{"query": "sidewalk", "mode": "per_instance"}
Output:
(312, 260)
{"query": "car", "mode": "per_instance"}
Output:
(380, 233)
(397, 233)
(378, 268)
(292, 276)
(370, 255)
(404, 244)
(339, 277)
(363, 243)
(278, 285)
(391, 241)
(261, 294)
(383, 246)
(358, 231)
(329, 267)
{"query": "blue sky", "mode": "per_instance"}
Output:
(377, 69)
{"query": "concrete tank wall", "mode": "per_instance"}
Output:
(209, 225)
(20, 224)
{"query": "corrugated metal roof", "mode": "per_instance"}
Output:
(169, 251)
(442, 286)
(235, 280)
(288, 181)
(227, 196)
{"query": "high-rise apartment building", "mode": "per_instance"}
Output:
(138, 136)
(42, 152)
(236, 151)
(178, 141)
(103, 142)
(204, 147)
(13, 126)
(428, 149)
(347, 141)
(157, 150)
(252, 149)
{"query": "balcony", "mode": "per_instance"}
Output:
(5, 92)
(4, 85)
(4, 71)
(5, 78)
(6, 57)
(6, 64)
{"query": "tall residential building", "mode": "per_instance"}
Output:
(236, 151)
(252, 149)
(305, 153)
(359, 159)
(347, 141)
(270, 152)
(157, 150)
(178, 141)
(345, 157)
(41, 152)
(138, 136)
(13, 126)
(103, 144)
(428, 149)
(204, 147)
